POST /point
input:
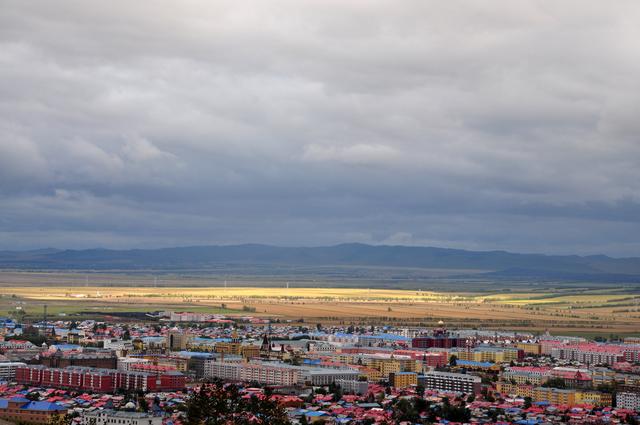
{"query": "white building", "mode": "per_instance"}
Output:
(118, 345)
(115, 417)
(352, 386)
(454, 382)
(277, 373)
(8, 370)
(628, 400)
(124, 363)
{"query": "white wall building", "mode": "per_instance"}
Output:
(8, 370)
(115, 417)
(628, 400)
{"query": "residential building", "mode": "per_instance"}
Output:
(115, 417)
(454, 382)
(403, 379)
(22, 410)
(8, 370)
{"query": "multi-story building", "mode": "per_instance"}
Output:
(555, 395)
(489, 354)
(277, 373)
(403, 379)
(527, 374)
(602, 376)
(21, 410)
(15, 344)
(590, 353)
(250, 351)
(530, 348)
(102, 360)
(628, 399)
(120, 346)
(454, 382)
(573, 378)
(227, 371)
(385, 362)
(125, 363)
(352, 386)
(438, 341)
(520, 390)
(8, 370)
(177, 340)
(631, 353)
(569, 397)
(595, 398)
(99, 380)
(382, 340)
(319, 376)
(113, 417)
(427, 358)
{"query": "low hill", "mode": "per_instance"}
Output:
(211, 257)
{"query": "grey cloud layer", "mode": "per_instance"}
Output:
(477, 125)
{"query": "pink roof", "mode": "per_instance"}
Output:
(529, 369)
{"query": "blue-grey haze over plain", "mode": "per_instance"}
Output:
(477, 125)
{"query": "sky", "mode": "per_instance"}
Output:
(478, 125)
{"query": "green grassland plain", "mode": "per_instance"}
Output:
(587, 309)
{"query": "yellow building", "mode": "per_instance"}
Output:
(519, 390)
(532, 348)
(371, 374)
(250, 351)
(384, 365)
(488, 354)
(594, 397)
(555, 396)
(631, 380)
(403, 379)
(231, 347)
(602, 375)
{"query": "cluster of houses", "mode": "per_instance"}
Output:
(494, 376)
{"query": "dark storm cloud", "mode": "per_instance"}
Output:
(508, 125)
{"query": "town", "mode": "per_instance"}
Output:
(147, 372)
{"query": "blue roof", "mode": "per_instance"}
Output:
(67, 346)
(152, 338)
(43, 405)
(196, 354)
(31, 405)
(313, 413)
(472, 363)
(203, 340)
(391, 337)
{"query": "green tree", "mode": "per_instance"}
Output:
(219, 404)
(58, 419)
(404, 410)
(453, 360)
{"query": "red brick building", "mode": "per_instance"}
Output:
(99, 380)
(95, 360)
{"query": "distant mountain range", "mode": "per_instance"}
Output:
(495, 263)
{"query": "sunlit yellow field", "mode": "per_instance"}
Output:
(588, 313)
